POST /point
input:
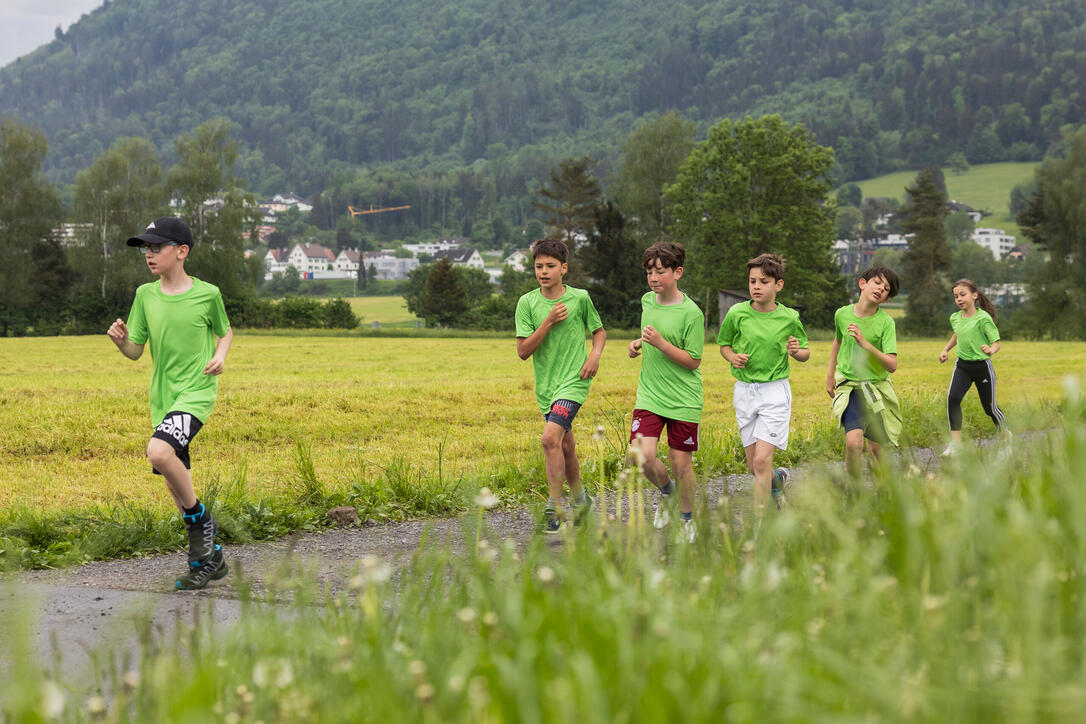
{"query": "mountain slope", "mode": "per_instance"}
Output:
(318, 87)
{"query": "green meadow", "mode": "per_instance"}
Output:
(398, 427)
(926, 597)
(985, 187)
(384, 310)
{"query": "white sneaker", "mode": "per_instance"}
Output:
(662, 517)
(689, 531)
(951, 450)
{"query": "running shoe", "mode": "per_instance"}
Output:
(689, 531)
(551, 523)
(662, 517)
(780, 479)
(201, 573)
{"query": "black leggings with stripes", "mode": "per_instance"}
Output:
(968, 373)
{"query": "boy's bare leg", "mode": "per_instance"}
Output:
(682, 465)
(554, 459)
(876, 452)
(572, 465)
(653, 467)
(178, 478)
(760, 463)
(854, 447)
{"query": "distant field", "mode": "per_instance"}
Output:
(74, 412)
(386, 310)
(983, 187)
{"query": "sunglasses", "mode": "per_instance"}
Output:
(155, 248)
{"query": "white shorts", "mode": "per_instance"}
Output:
(763, 410)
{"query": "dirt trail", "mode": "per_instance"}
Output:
(93, 608)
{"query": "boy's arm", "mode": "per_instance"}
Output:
(592, 364)
(679, 356)
(831, 374)
(526, 346)
(222, 347)
(945, 354)
(888, 361)
(799, 354)
(739, 361)
(118, 334)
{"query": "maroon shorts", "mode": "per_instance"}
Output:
(680, 435)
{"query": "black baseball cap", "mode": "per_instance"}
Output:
(162, 231)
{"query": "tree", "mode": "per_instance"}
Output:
(850, 195)
(571, 198)
(754, 186)
(650, 160)
(849, 223)
(445, 298)
(1053, 220)
(221, 214)
(958, 163)
(612, 261)
(120, 193)
(927, 260)
(29, 208)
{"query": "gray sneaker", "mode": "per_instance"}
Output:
(780, 479)
(201, 538)
(202, 573)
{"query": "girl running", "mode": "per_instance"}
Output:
(977, 339)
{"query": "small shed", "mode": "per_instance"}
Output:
(728, 298)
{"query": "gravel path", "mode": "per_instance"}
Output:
(76, 611)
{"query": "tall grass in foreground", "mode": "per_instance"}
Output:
(920, 598)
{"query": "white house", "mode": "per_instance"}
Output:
(388, 266)
(519, 260)
(309, 257)
(462, 256)
(997, 241)
(281, 202)
(74, 234)
(347, 260)
(433, 247)
(276, 260)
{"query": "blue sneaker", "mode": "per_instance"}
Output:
(551, 522)
(780, 479)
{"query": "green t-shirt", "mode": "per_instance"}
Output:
(560, 357)
(973, 332)
(763, 336)
(181, 329)
(855, 362)
(668, 389)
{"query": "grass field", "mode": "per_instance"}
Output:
(986, 186)
(953, 597)
(75, 413)
(385, 310)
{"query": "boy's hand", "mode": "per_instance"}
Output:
(650, 335)
(590, 368)
(831, 384)
(856, 334)
(215, 366)
(634, 348)
(118, 332)
(739, 361)
(987, 350)
(793, 346)
(558, 314)
(944, 356)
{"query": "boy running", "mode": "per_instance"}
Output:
(757, 338)
(181, 317)
(669, 390)
(863, 355)
(551, 323)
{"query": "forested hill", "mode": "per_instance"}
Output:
(315, 87)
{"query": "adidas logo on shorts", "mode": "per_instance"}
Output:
(178, 427)
(688, 441)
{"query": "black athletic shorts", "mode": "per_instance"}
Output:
(855, 417)
(178, 428)
(562, 413)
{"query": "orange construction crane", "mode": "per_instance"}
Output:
(356, 212)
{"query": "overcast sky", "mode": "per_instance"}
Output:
(28, 24)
